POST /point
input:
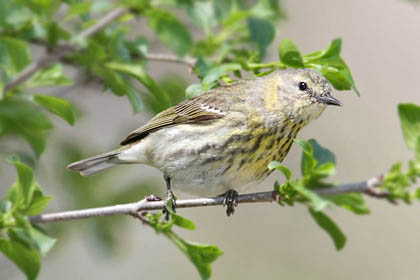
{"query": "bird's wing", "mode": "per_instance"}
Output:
(188, 111)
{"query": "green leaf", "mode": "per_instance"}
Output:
(262, 33)
(203, 14)
(27, 260)
(179, 220)
(139, 46)
(49, 76)
(55, 33)
(321, 154)
(418, 149)
(317, 202)
(277, 165)
(38, 202)
(336, 77)
(410, 123)
(135, 99)
(308, 162)
(24, 118)
(330, 227)
(290, 55)
(136, 71)
(25, 186)
(216, 72)
(117, 82)
(333, 51)
(268, 9)
(353, 202)
(201, 255)
(78, 9)
(43, 242)
(194, 90)
(5, 206)
(332, 66)
(57, 106)
(170, 31)
(17, 54)
(32, 237)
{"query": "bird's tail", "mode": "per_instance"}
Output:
(95, 164)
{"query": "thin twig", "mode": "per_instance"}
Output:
(50, 58)
(190, 61)
(365, 187)
(187, 60)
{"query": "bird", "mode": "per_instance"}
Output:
(223, 139)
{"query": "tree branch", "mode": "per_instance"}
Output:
(367, 187)
(190, 61)
(50, 58)
(187, 60)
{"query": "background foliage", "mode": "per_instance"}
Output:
(220, 41)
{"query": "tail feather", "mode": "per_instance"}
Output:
(95, 164)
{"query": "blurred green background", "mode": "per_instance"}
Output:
(381, 46)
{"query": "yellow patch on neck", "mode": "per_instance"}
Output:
(271, 98)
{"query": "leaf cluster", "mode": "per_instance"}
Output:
(201, 255)
(21, 242)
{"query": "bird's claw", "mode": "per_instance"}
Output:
(170, 198)
(230, 201)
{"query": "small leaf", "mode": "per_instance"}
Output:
(24, 118)
(308, 161)
(216, 72)
(353, 202)
(57, 106)
(332, 66)
(321, 154)
(410, 123)
(135, 100)
(277, 165)
(78, 9)
(170, 31)
(43, 241)
(27, 260)
(49, 76)
(336, 77)
(201, 255)
(333, 50)
(318, 203)
(179, 220)
(418, 150)
(25, 186)
(262, 33)
(18, 54)
(330, 227)
(194, 90)
(139, 46)
(137, 72)
(38, 202)
(290, 55)
(203, 14)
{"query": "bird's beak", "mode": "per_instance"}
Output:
(329, 100)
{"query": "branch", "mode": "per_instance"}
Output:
(188, 60)
(367, 187)
(50, 58)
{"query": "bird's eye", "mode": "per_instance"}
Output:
(303, 86)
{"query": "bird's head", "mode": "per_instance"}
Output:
(303, 93)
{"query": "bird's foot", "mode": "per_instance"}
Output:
(230, 201)
(169, 205)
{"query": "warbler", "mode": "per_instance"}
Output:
(225, 138)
